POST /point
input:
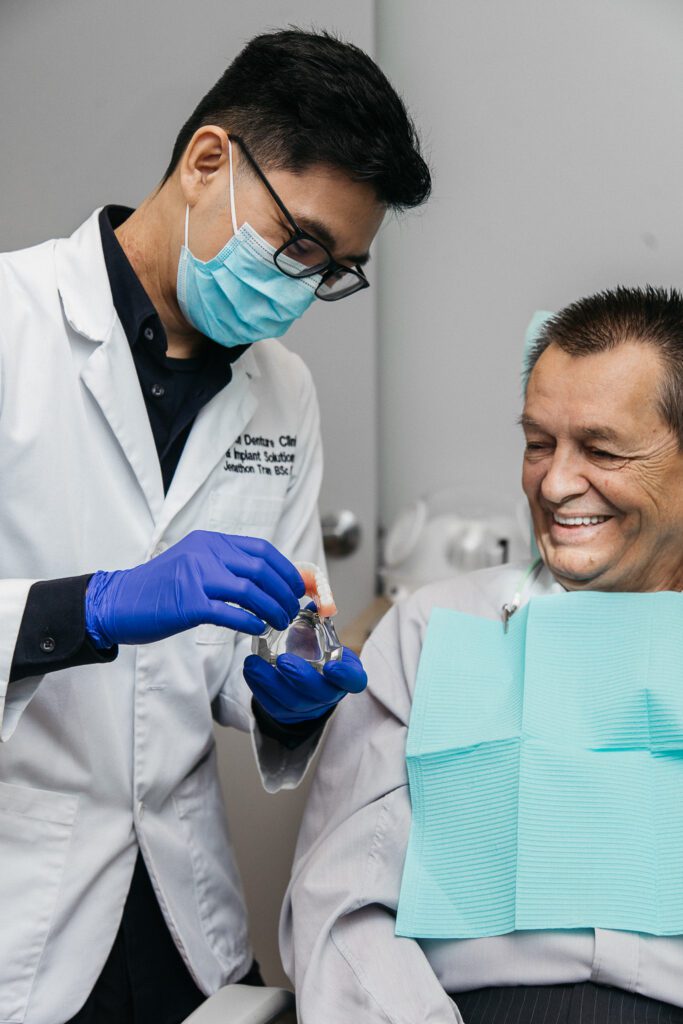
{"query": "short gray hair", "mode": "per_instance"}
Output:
(650, 316)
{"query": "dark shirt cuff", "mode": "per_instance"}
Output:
(291, 734)
(52, 634)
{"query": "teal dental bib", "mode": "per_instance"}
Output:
(546, 770)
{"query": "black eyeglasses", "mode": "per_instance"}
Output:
(302, 255)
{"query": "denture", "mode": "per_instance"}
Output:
(318, 588)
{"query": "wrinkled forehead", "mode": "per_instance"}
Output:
(620, 387)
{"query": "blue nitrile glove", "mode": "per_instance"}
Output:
(293, 691)
(188, 585)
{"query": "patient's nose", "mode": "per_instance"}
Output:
(565, 477)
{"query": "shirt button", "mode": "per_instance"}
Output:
(158, 390)
(47, 645)
(148, 333)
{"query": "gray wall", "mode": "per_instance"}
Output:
(554, 128)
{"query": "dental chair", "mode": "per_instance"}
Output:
(246, 1004)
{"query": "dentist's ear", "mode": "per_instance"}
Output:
(204, 158)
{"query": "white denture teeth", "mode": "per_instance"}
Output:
(318, 587)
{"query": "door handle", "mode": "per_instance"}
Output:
(341, 533)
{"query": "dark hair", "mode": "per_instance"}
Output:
(303, 98)
(649, 316)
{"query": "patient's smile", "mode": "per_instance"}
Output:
(565, 530)
(579, 520)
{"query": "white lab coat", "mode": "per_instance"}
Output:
(99, 759)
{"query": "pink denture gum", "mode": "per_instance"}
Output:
(318, 588)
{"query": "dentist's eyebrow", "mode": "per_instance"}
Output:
(324, 235)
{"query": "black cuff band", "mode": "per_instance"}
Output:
(52, 634)
(292, 734)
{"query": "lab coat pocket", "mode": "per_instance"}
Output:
(218, 890)
(35, 830)
(247, 517)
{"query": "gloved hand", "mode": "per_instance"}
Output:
(293, 691)
(189, 584)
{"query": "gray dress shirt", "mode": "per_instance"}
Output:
(337, 929)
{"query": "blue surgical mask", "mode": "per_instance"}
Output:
(240, 296)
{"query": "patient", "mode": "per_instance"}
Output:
(542, 832)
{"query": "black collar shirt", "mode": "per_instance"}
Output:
(174, 390)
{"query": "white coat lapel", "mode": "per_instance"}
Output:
(110, 376)
(216, 427)
(109, 372)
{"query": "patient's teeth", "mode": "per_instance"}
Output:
(579, 520)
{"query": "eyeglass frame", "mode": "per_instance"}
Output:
(331, 267)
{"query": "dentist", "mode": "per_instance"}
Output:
(160, 463)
